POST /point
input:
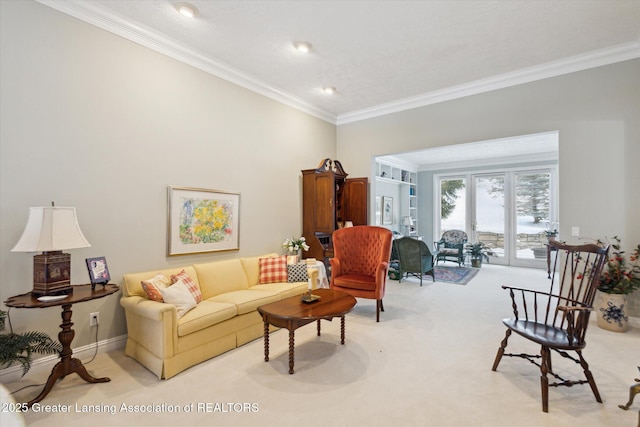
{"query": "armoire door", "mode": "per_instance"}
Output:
(355, 201)
(325, 203)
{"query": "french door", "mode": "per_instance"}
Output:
(507, 210)
(489, 213)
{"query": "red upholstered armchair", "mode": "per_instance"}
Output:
(361, 262)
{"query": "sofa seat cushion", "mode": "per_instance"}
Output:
(449, 251)
(284, 289)
(356, 281)
(205, 314)
(247, 300)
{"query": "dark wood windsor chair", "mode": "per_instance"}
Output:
(557, 320)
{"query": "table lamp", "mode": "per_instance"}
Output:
(51, 230)
(407, 221)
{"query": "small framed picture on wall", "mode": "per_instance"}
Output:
(387, 210)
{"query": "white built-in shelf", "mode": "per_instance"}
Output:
(407, 179)
(398, 175)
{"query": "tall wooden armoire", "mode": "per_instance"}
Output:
(329, 200)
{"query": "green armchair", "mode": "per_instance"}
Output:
(415, 258)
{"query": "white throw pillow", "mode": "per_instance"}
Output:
(179, 295)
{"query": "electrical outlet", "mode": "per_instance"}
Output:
(575, 231)
(94, 319)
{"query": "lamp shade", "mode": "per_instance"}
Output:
(51, 229)
(407, 220)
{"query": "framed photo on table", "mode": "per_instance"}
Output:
(201, 220)
(98, 271)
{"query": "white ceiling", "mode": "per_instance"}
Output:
(382, 56)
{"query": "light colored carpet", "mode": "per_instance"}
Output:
(427, 363)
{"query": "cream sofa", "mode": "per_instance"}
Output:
(226, 317)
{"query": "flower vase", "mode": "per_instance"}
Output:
(611, 312)
(293, 257)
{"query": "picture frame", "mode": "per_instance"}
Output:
(387, 210)
(378, 210)
(98, 271)
(201, 220)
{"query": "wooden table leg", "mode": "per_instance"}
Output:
(266, 341)
(67, 364)
(342, 329)
(291, 349)
(318, 327)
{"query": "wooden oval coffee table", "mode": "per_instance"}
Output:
(292, 313)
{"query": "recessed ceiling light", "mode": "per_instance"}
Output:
(329, 90)
(187, 10)
(303, 47)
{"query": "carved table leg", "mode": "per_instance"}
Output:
(291, 349)
(318, 327)
(266, 341)
(342, 329)
(67, 365)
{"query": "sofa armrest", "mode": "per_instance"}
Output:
(144, 307)
(152, 324)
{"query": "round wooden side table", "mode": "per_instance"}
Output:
(67, 364)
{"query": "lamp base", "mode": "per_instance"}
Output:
(51, 274)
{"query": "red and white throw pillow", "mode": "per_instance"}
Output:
(190, 284)
(273, 269)
(152, 287)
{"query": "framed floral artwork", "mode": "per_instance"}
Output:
(201, 220)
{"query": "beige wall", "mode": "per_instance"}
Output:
(597, 114)
(94, 121)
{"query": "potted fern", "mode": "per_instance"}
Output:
(20, 347)
(478, 252)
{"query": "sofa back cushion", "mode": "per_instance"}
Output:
(220, 277)
(251, 267)
(133, 282)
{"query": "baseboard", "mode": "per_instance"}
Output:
(46, 363)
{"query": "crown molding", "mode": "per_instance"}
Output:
(619, 53)
(95, 15)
